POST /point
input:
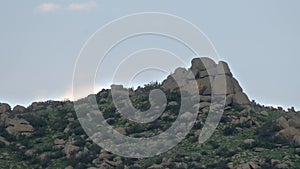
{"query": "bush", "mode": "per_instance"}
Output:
(76, 128)
(44, 148)
(266, 135)
(268, 130)
(214, 144)
(225, 152)
(151, 86)
(230, 130)
(250, 146)
(204, 153)
(40, 132)
(238, 108)
(94, 148)
(2, 144)
(46, 162)
(80, 142)
(8, 136)
(57, 155)
(135, 128)
(36, 121)
(109, 112)
(220, 165)
(60, 124)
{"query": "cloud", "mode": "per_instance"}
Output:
(82, 6)
(48, 7)
(51, 7)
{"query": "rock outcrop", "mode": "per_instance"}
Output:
(12, 123)
(211, 79)
(70, 149)
(18, 126)
(19, 109)
(4, 108)
(290, 129)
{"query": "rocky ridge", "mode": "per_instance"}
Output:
(48, 134)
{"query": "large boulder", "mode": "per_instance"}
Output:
(17, 126)
(170, 84)
(206, 85)
(236, 86)
(3, 140)
(240, 99)
(19, 109)
(59, 141)
(36, 106)
(223, 68)
(294, 122)
(4, 107)
(249, 165)
(288, 133)
(249, 141)
(70, 149)
(181, 72)
(218, 85)
(296, 140)
(282, 122)
(200, 64)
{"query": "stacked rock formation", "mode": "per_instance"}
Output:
(13, 124)
(211, 78)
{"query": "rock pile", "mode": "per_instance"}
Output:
(14, 125)
(211, 79)
(290, 129)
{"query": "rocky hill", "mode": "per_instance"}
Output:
(249, 136)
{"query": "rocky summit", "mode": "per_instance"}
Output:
(211, 79)
(249, 136)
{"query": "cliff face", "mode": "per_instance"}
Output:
(211, 79)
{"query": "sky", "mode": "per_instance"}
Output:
(41, 40)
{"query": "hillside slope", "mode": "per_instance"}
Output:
(249, 136)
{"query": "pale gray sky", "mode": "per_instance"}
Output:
(40, 41)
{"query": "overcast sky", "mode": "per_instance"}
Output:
(40, 41)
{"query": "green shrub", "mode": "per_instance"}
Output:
(109, 112)
(37, 120)
(135, 128)
(40, 132)
(214, 144)
(266, 135)
(2, 144)
(220, 165)
(8, 136)
(225, 152)
(229, 131)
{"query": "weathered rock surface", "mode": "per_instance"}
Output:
(19, 109)
(17, 126)
(70, 149)
(59, 142)
(295, 122)
(249, 141)
(240, 99)
(282, 122)
(4, 107)
(211, 79)
(290, 129)
(3, 140)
